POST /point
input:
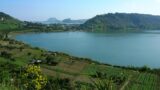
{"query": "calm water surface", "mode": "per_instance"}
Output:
(135, 49)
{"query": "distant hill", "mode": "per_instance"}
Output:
(70, 21)
(65, 21)
(7, 22)
(51, 21)
(106, 22)
(121, 21)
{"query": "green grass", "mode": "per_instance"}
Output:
(59, 70)
(109, 70)
(7, 87)
(7, 26)
(76, 69)
(144, 81)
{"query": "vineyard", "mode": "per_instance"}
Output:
(134, 80)
(144, 81)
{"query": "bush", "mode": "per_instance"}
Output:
(32, 78)
(83, 86)
(58, 84)
(99, 74)
(29, 53)
(51, 60)
(144, 69)
(5, 54)
(103, 84)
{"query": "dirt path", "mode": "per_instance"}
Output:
(125, 84)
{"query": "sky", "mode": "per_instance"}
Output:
(40, 10)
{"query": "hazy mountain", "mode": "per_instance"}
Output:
(52, 21)
(69, 21)
(122, 21)
(65, 21)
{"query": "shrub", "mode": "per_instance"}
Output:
(83, 86)
(52, 60)
(32, 78)
(99, 74)
(144, 69)
(103, 84)
(58, 84)
(29, 53)
(5, 54)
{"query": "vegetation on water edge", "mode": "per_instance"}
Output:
(122, 22)
(30, 68)
(61, 71)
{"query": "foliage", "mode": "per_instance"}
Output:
(103, 84)
(143, 81)
(32, 78)
(58, 84)
(84, 86)
(70, 70)
(50, 59)
(5, 54)
(7, 22)
(122, 22)
(39, 27)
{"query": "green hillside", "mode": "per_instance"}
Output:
(122, 21)
(7, 22)
(23, 67)
(65, 72)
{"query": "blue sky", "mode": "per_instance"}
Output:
(39, 10)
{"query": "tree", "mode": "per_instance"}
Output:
(50, 59)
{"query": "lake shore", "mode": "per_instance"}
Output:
(79, 71)
(110, 45)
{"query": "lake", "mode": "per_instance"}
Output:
(137, 49)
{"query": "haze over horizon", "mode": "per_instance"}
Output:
(40, 10)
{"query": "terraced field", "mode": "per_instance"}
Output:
(144, 81)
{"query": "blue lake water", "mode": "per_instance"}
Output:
(137, 49)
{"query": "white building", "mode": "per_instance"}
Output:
(2, 19)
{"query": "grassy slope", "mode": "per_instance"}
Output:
(76, 69)
(8, 22)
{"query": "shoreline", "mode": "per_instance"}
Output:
(14, 33)
(75, 69)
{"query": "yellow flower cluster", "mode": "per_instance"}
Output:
(33, 77)
(33, 69)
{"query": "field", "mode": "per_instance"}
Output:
(144, 81)
(82, 73)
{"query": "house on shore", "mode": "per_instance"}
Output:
(34, 61)
(2, 19)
